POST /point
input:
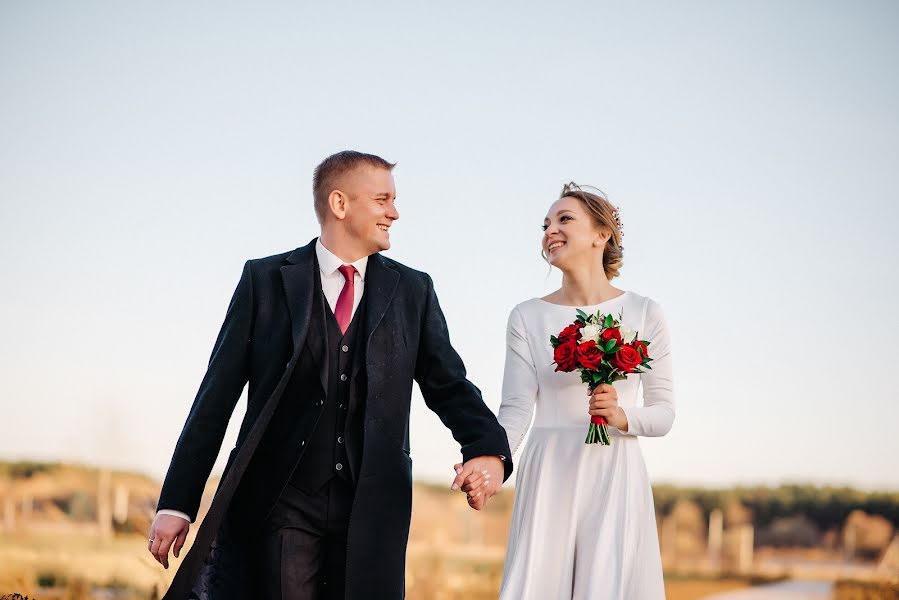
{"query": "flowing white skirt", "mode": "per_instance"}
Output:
(583, 525)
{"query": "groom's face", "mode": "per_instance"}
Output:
(371, 207)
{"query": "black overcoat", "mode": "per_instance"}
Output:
(259, 343)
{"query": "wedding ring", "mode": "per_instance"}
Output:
(150, 540)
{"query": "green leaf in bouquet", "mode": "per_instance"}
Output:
(582, 316)
(609, 345)
(554, 340)
(609, 321)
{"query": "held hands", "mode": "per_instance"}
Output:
(165, 530)
(480, 478)
(604, 403)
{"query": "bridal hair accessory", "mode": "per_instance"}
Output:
(616, 212)
(617, 216)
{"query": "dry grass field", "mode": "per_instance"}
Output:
(76, 567)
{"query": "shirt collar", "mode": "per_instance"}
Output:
(328, 262)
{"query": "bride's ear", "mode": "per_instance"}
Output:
(603, 238)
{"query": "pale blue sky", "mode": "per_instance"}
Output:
(148, 148)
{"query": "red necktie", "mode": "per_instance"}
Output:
(344, 309)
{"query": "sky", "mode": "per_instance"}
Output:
(147, 149)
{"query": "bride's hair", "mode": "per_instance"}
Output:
(605, 215)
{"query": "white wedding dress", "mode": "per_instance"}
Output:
(583, 525)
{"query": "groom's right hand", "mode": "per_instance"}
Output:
(165, 531)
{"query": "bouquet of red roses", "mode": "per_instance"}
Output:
(604, 351)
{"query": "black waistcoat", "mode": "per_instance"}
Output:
(339, 429)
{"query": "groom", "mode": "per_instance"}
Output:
(316, 496)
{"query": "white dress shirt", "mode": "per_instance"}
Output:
(332, 284)
(332, 279)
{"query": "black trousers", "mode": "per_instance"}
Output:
(302, 551)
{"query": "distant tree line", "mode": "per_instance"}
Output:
(826, 506)
(24, 469)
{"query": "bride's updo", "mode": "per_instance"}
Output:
(605, 215)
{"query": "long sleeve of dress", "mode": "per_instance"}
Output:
(655, 417)
(519, 383)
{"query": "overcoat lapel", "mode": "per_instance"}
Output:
(380, 286)
(301, 281)
(317, 338)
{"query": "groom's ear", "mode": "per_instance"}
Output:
(337, 202)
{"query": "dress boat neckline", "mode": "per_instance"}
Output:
(618, 297)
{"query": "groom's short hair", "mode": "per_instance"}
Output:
(330, 170)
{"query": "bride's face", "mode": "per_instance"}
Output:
(570, 237)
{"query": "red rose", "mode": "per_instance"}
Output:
(565, 356)
(611, 333)
(572, 332)
(641, 348)
(626, 359)
(589, 355)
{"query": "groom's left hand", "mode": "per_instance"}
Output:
(480, 478)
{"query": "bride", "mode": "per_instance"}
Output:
(583, 524)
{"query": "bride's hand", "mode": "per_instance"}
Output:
(604, 402)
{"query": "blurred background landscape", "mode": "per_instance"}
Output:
(77, 532)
